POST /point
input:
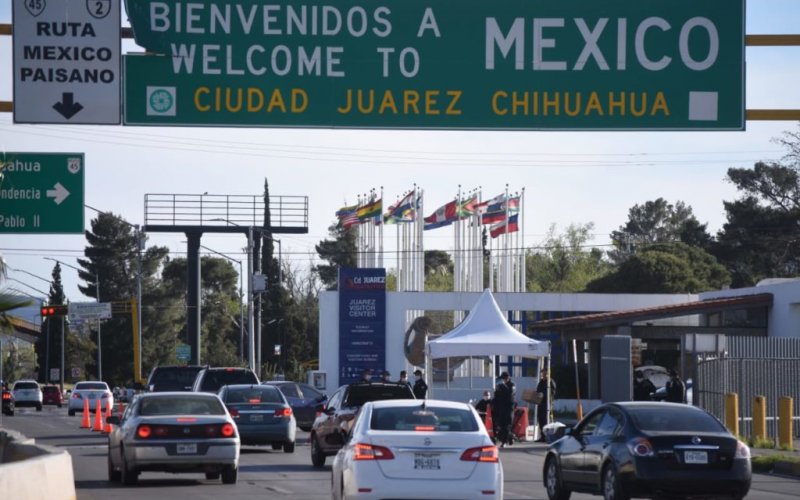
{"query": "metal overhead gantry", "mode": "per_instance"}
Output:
(195, 214)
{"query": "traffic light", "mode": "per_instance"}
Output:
(54, 311)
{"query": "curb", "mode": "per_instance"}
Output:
(787, 468)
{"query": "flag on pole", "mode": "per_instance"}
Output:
(350, 220)
(496, 212)
(483, 207)
(500, 228)
(370, 210)
(468, 207)
(444, 216)
(345, 211)
(405, 206)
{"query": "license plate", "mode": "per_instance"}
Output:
(92, 396)
(427, 461)
(256, 418)
(187, 449)
(695, 457)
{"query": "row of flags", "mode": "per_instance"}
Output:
(501, 212)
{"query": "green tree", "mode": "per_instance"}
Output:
(563, 264)
(664, 268)
(339, 251)
(658, 222)
(438, 262)
(9, 301)
(19, 360)
(111, 254)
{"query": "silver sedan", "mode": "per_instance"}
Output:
(174, 432)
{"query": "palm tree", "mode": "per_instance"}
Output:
(9, 301)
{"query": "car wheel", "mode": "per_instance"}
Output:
(127, 476)
(230, 475)
(288, 447)
(277, 446)
(306, 429)
(71, 413)
(212, 476)
(552, 481)
(114, 476)
(38, 407)
(317, 456)
(612, 489)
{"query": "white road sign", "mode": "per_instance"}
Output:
(89, 310)
(67, 61)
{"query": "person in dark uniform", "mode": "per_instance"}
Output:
(366, 376)
(404, 379)
(481, 405)
(642, 388)
(676, 389)
(504, 402)
(420, 387)
(547, 388)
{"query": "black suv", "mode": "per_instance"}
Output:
(335, 420)
(172, 378)
(213, 379)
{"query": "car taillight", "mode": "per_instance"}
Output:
(105, 395)
(6, 396)
(187, 420)
(424, 428)
(283, 412)
(234, 413)
(372, 452)
(641, 447)
(742, 451)
(144, 431)
(160, 431)
(77, 396)
(228, 430)
(481, 454)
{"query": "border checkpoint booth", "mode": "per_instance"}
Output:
(485, 332)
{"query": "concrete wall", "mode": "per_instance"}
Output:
(784, 315)
(397, 303)
(33, 472)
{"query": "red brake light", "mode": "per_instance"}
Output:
(481, 454)
(105, 395)
(641, 447)
(255, 400)
(228, 430)
(372, 452)
(6, 395)
(77, 395)
(144, 431)
(234, 413)
(161, 431)
(424, 428)
(187, 420)
(228, 369)
(283, 412)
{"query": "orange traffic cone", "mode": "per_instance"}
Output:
(107, 428)
(86, 424)
(489, 424)
(98, 418)
(108, 408)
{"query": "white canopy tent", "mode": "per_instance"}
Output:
(485, 332)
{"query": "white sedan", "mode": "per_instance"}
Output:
(91, 391)
(414, 449)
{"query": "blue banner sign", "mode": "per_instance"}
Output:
(362, 323)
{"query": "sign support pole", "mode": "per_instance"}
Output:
(63, 342)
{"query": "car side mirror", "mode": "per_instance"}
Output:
(328, 410)
(113, 420)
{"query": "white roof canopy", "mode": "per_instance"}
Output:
(485, 332)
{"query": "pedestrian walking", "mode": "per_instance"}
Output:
(676, 389)
(504, 402)
(642, 388)
(420, 387)
(547, 388)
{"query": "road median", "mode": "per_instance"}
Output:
(29, 471)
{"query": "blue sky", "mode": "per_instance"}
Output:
(331, 166)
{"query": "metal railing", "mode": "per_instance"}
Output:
(287, 212)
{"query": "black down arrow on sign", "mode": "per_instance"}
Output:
(67, 107)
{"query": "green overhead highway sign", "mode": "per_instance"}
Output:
(438, 64)
(41, 193)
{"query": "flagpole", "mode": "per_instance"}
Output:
(420, 255)
(524, 263)
(506, 242)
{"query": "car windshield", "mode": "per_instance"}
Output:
(91, 386)
(361, 394)
(215, 379)
(428, 419)
(255, 394)
(151, 407)
(176, 377)
(675, 420)
(26, 385)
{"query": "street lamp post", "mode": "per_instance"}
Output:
(47, 337)
(47, 375)
(241, 299)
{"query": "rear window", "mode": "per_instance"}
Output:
(675, 420)
(256, 394)
(50, 390)
(181, 406)
(360, 394)
(26, 385)
(215, 379)
(174, 378)
(91, 386)
(423, 419)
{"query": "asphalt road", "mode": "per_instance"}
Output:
(264, 472)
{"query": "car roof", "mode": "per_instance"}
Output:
(177, 394)
(227, 368)
(279, 382)
(405, 403)
(652, 405)
(26, 380)
(243, 386)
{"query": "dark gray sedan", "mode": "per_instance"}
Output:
(174, 432)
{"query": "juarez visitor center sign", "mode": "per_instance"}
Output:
(438, 64)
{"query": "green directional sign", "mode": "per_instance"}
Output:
(438, 64)
(183, 352)
(41, 193)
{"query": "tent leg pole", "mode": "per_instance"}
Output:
(470, 372)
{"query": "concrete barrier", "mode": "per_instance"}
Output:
(34, 472)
